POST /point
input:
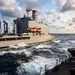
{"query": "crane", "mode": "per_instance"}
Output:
(5, 27)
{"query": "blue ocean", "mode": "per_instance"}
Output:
(34, 59)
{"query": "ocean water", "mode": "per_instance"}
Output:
(39, 56)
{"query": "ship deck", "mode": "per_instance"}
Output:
(7, 41)
(11, 38)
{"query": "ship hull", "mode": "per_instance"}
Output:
(31, 39)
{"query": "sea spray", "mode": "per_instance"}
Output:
(34, 66)
(19, 45)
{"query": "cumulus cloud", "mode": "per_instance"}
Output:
(10, 8)
(59, 22)
(66, 5)
(56, 16)
(69, 6)
(60, 3)
(73, 19)
(63, 19)
(70, 28)
(13, 8)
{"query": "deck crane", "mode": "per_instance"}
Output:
(5, 27)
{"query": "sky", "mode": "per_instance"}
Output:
(58, 14)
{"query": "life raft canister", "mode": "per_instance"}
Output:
(33, 29)
(39, 30)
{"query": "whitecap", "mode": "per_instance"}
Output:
(19, 45)
(28, 53)
(57, 41)
(72, 41)
(13, 47)
(42, 46)
(34, 66)
(2, 52)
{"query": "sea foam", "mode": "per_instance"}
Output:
(37, 66)
(19, 45)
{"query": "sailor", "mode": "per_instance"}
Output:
(19, 27)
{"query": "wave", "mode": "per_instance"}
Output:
(72, 41)
(42, 46)
(34, 67)
(28, 53)
(57, 41)
(19, 45)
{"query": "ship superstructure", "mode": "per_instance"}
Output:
(28, 23)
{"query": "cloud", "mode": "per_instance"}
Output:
(3, 3)
(60, 3)
(10, 8)
(56, 16)
(31, 3)
(57, 27)
(69, 6)
(13, 8)
(59, 22)
(66, 5)
(73, 19)
(70, 24)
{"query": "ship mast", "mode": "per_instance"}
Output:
(28, 10)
